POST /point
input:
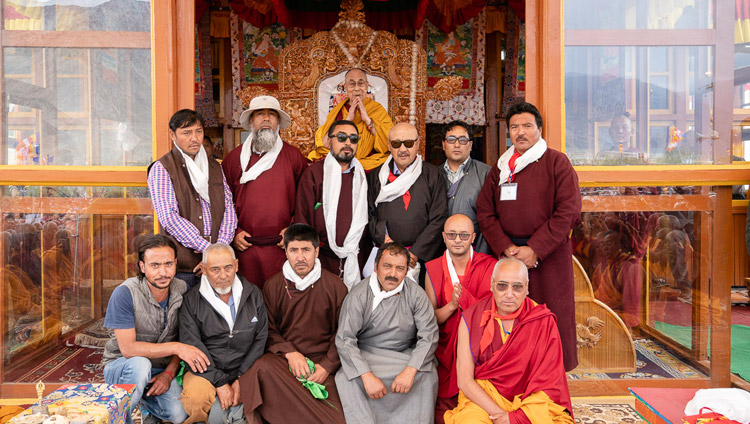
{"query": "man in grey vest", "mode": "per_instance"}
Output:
(142, 321)
(464, 177)
(190, 195)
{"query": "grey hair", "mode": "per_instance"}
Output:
(512, 261)
(218, 246)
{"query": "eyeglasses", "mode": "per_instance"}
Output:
(462, 236)
(341, 137)
(452, 139)
(396, 144)
(502, 286)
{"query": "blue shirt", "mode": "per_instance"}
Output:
(120, 312)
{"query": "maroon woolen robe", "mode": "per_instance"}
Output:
(546, 209)
(265, 206)
(309, 211)
(529, 361)
(475, 285)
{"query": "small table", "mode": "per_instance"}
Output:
(661, 406)
(97, 402)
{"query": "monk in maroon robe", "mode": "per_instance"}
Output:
(453, 287)
(263, 173)
(303, 304)
(510, 367)
(527, 208)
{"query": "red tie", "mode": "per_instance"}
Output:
(512, 165)
(406, 196)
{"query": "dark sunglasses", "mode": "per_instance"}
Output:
(452, 236)
(341, 137)
(396, 144)
(452, 139)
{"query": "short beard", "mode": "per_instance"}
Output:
(264, 140)
(226, 290)
(340, 158)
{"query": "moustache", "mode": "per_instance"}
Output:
(300, 264)
(394, 279)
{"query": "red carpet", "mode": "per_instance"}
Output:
(69, 365)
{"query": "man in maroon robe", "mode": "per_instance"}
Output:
(454, 282)
(332, 198)
(527, 207)
(509, 357)
(303, 303)
(263, 173)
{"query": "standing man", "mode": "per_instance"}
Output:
(142, 349)
(226, 319)
(464, 177)
(370, 118)
(190, 195)
(303, 304)
(526, 210)
(332, 198)
(454, 282)
(386, 340)
(263, 173)
(406, 198)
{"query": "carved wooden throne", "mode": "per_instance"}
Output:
(306, 64)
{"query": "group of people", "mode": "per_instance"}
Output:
(364, 287)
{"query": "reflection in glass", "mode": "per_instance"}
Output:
(638, 105)
(77, 15)
(92, 108)
(636, 14)
(58, 270)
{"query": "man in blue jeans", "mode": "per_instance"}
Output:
(142, 318)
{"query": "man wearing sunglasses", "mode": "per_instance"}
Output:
(332, 198)
(370, 118)
(463, 177)
(527, 208)
(454, 282)
(509, 357)
(407, 201)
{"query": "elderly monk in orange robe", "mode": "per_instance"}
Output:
(455, 281)
(509, 365)
(371, 119)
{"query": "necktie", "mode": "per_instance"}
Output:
(406, 196)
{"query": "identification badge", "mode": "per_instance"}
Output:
(508, 191)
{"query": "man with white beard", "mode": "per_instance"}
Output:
(263, 174)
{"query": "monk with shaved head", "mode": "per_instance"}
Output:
(454, 282)
(407, 202)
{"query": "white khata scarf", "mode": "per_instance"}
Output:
(452, 269)
(331, 195)
(381, 295)
(302, 283)
(534, 153)
(222, 308)
(403, 182)
(263, 164)
(198, 171)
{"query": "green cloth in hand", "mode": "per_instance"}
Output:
(318, 390)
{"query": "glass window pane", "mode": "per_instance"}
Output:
(60, 263)
(639, 105)
(92, 104)
(637, 14)
(77, 15)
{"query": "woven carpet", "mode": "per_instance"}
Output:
(605, 413)
(68, 365)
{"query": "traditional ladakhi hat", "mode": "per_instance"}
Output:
(264, 102)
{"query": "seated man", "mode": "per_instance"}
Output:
(509, 357)
(387, 339)
(142, 315)
(454, 282)
(371, 119)
(303, 304)
(225, 318)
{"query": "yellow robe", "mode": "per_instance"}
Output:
(538, 407)
(373, 148)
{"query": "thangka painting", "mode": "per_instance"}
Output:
(514, 82)
(204, 85)
(255, 57)
(460, 53)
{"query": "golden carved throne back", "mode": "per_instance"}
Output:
(305, 64)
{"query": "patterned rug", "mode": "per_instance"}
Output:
(69, 365)
(597, 413)
(652, 361)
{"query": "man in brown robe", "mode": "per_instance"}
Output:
(407, 202)
(526, 210)
(332, 198)
(303, 304)
(263, 173)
